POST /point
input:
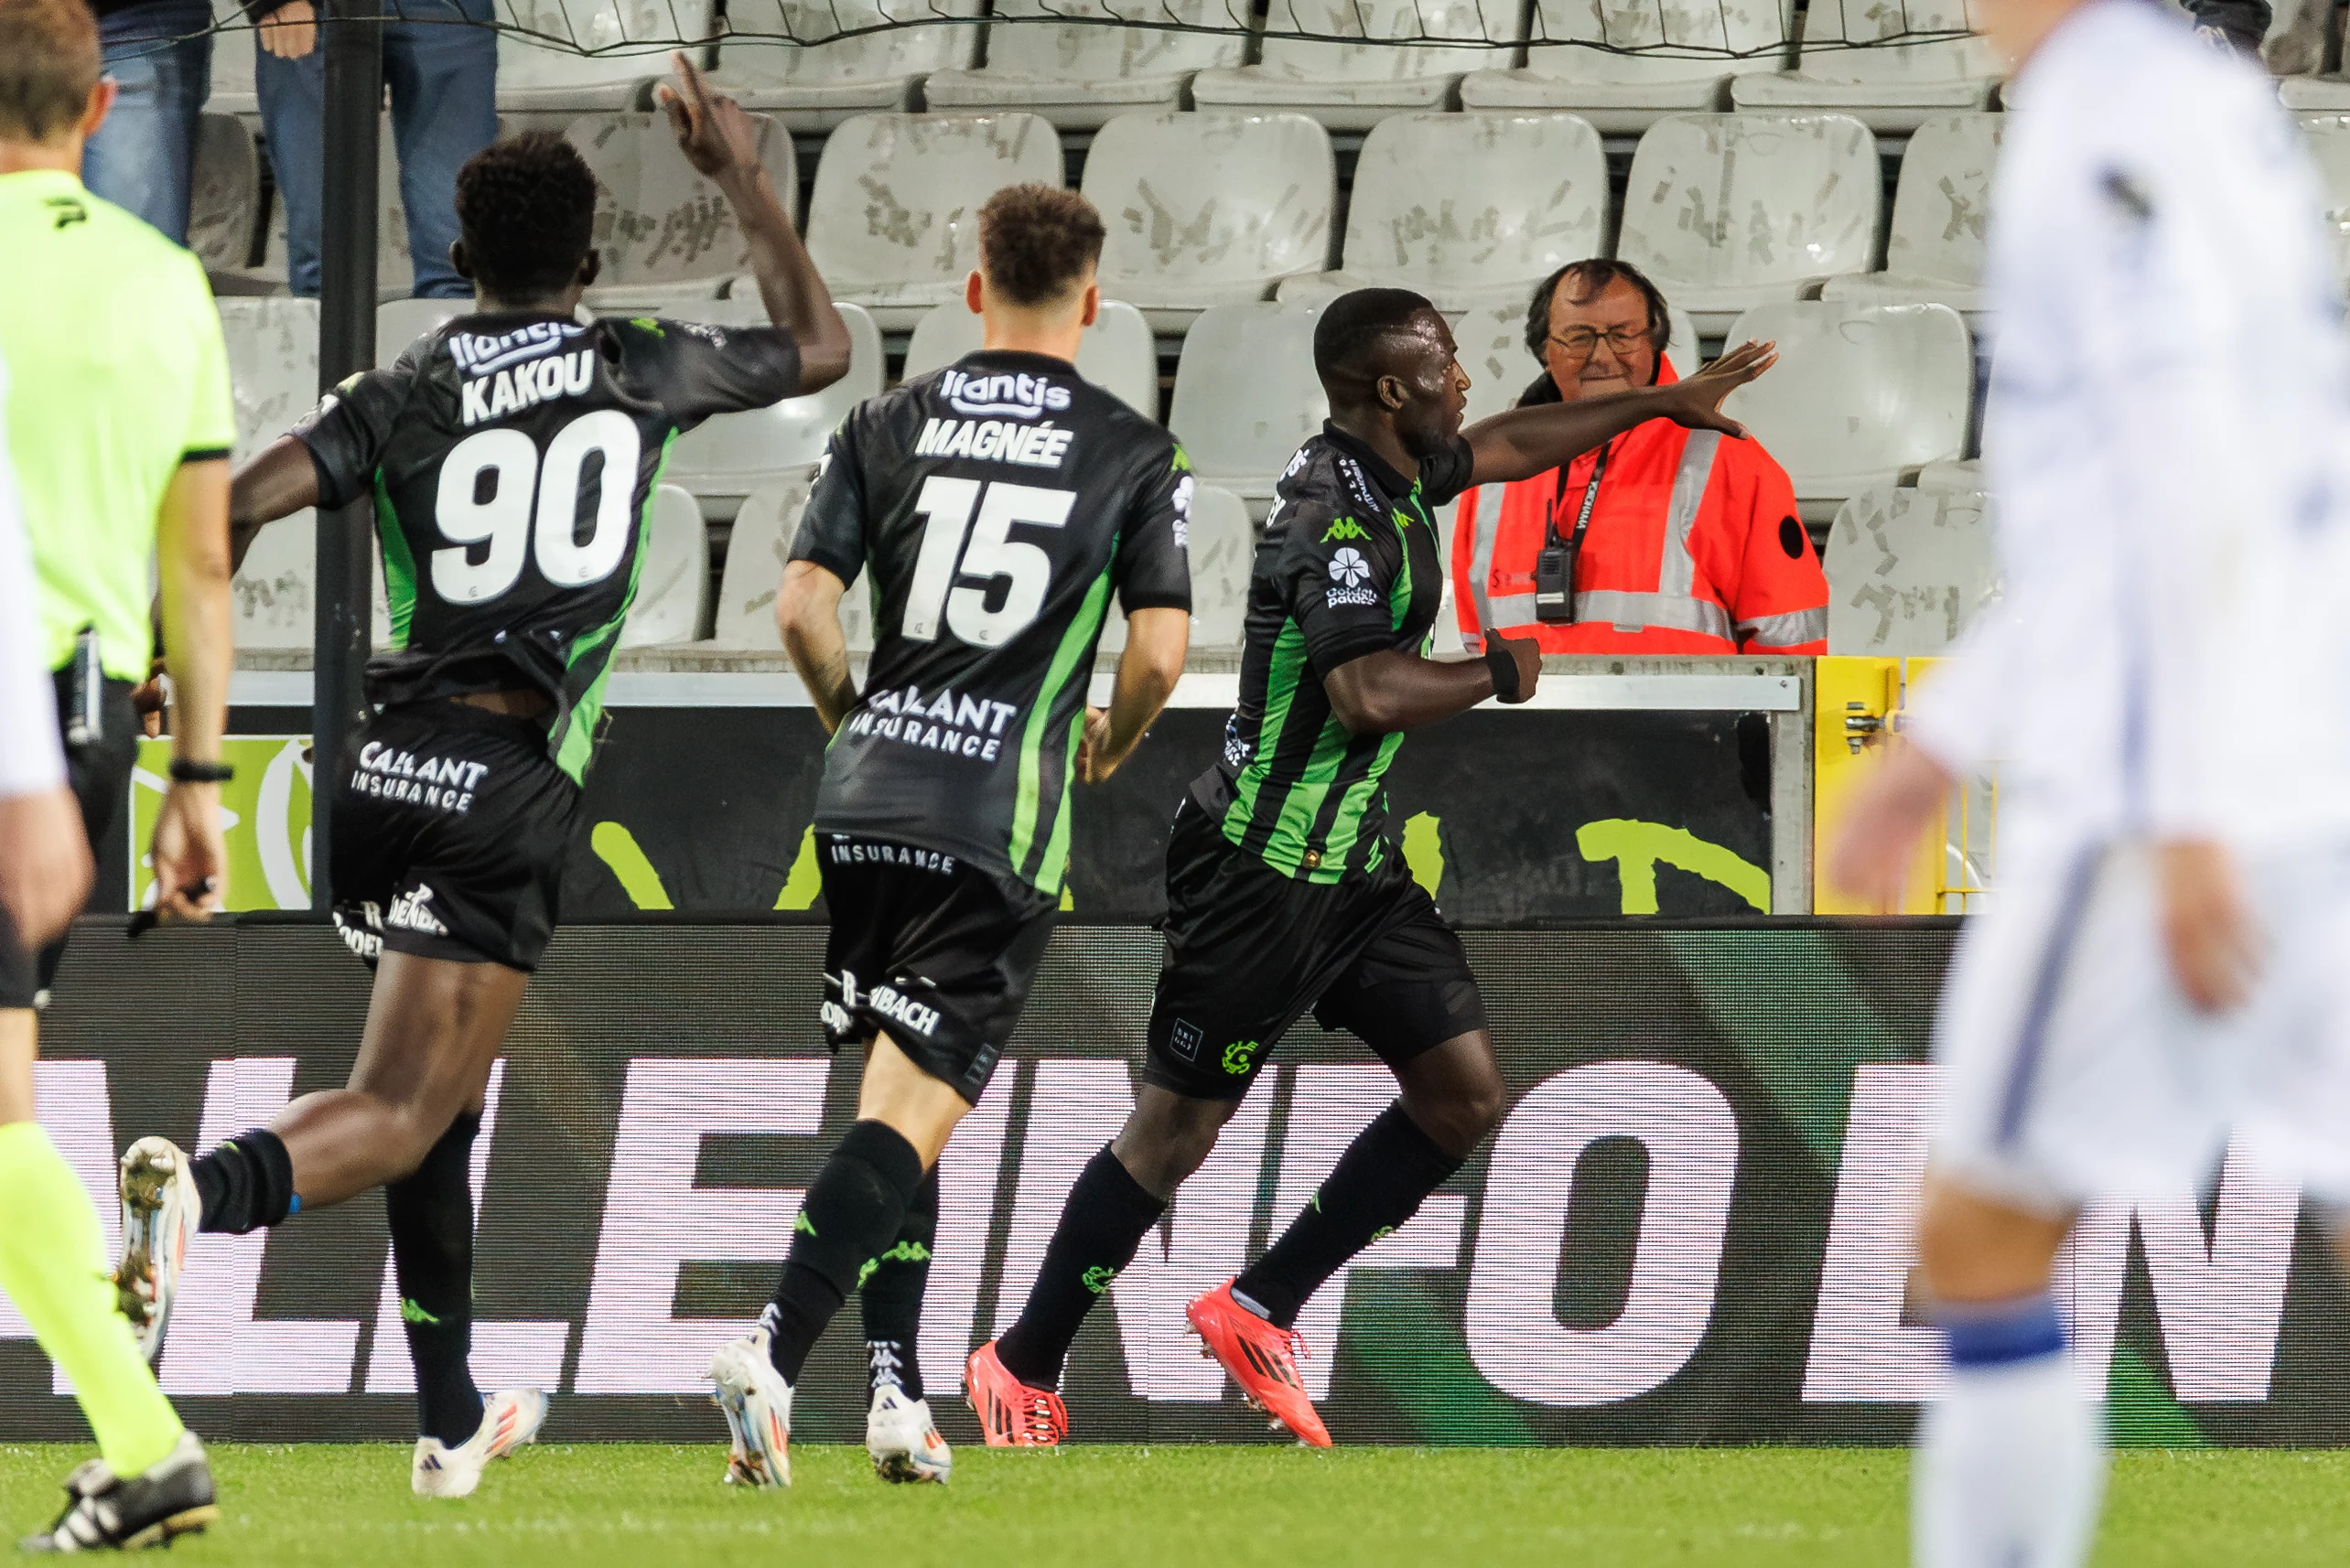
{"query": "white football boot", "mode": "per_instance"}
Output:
(160, 1212)
(903, 1440)
(757, 1402)
(508, 1419)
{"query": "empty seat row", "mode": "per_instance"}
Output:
(1726, 211)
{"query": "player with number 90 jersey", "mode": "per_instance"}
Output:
(999, 502)
(513, 460)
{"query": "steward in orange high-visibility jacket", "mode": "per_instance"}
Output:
(1694, 544)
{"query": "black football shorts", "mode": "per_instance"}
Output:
(1249, 950)
(99, 774)
(17, 986)
(450, 827)
(929, 949)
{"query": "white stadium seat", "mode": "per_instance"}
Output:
(1246, 396)
(273, 349)
(1728, 211)
(226, 195)
(1352, 86)
(1117, 352)
(725, 459)
(2328, 137)
(666, 234)
(1907, 569)
(232, 91)
(1491, 339)
(755, 553)
(1209, 208)
(794, 64)
(1860, 393)
(1941, 213)
(894, 223)
(1465, 207)
(1223, 547)
(561, 59)
(673, 574)
(1953, 474)
(1700, 49)
(1078, 72)
(400, 322)
(1892, 87)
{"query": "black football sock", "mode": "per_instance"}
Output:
(431, 1211)
(1378, 1185)
(246, 1183)
(851, 1213)
(890, 1296)
(1105, 1220)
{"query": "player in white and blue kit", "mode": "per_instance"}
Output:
(2164, 963)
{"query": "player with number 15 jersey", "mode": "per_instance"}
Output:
(996, 506)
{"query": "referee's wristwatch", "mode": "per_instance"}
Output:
(186, 772)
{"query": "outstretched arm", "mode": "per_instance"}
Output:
(1157, 641)
(279, 483)
(1524, 442)
(719, 140)
(1390, 692)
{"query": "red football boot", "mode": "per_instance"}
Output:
(1259, 1357)
(1011, 1414)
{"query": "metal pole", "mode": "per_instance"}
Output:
(353, 41)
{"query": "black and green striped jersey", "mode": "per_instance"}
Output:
(998, 504)
(1349, 565)
(513, 460)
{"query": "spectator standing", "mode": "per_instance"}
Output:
(1681, 541)
(440, 61)
(158, 53)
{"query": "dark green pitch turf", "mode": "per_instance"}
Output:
(633, 1507)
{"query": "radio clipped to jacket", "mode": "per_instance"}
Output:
(1554, 568)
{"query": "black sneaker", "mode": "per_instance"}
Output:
(170, 1499)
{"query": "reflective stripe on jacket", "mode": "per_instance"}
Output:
(1695, 546)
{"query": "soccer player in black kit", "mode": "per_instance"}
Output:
(513, 455)
(1286, 890)
(997, 503)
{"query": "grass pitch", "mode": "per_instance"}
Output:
(587, 1507)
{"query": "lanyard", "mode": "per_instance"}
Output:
(1591, 499)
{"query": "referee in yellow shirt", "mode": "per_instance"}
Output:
(118, 423)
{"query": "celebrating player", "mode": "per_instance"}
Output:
(999, 504)
(2164, 689)
(514, 452)
(1285, 887)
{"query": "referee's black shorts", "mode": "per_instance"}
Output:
(1249, 950)
(99, 774)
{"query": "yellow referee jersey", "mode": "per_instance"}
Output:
(116, 376)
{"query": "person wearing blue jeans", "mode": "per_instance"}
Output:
(159, 53)
(441, 62)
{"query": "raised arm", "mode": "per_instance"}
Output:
(280, 482)
(1524, 442)
(719, 141)
(1157, 641)
(807, 612)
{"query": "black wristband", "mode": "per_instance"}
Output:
(1503, 666)
(186, 772)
